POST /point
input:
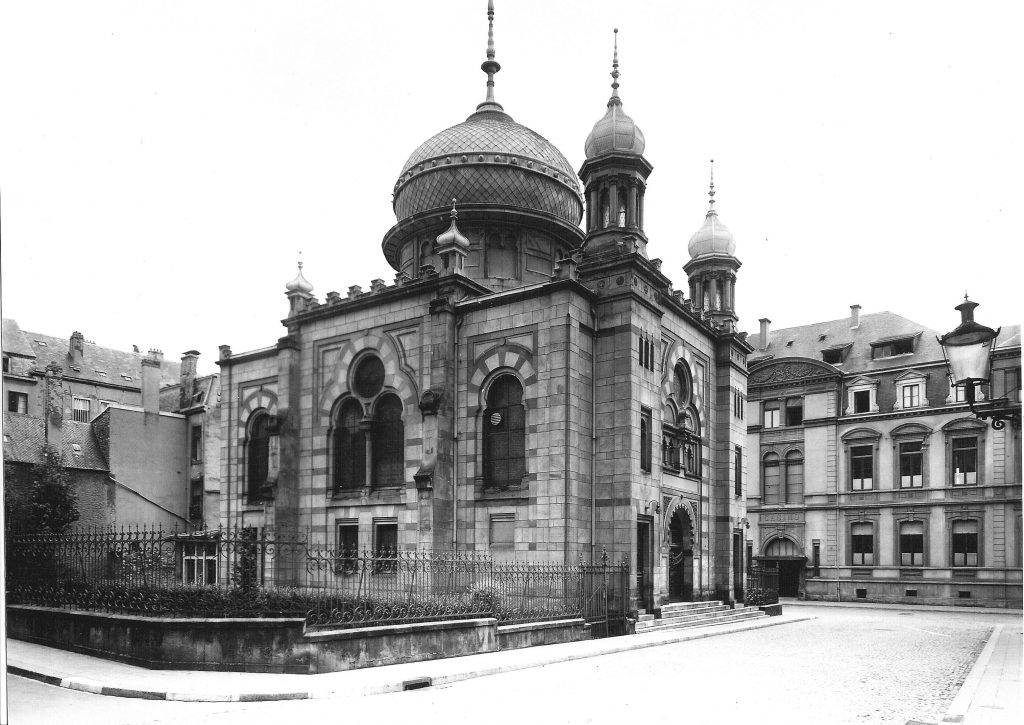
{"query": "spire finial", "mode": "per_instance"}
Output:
(965, 296)
(614, 100)
(711, 191)
(300, 260)
(490, 66)
(455, 213)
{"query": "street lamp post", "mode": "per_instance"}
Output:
(968, 354)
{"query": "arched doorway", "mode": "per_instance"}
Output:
(785, 555)
(680, 557)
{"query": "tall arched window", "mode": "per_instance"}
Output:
(349, 448)
(257, 456)
(388, 442)
(505, 434)
(691, 460)
(794, 477)
(606, 209)
(770, 479)
(425, 249)
(621, 215)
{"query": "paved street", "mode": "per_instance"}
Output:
(846, 666)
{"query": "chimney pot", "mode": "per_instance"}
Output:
(150, 385)
(765, 332)
(854, 317)
(76, 350)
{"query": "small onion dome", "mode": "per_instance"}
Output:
(299, 284)
(452, 237)
(615, 132)
(712, 238)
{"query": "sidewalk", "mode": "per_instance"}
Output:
(793, 602)
(107, 677)
(991, 693)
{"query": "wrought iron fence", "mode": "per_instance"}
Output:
(255, 573)
(762, 586)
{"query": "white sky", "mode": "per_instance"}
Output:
(162, 163)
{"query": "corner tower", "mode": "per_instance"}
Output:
(712, 267)
(615, 176)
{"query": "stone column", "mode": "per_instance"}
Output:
(288, 564)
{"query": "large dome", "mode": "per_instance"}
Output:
(489, 159)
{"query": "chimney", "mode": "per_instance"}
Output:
(150, 385)
(76, 350)
(54, 403)
(765, 339)
(188, 378)
(854, 317)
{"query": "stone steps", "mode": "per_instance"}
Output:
(694, 614)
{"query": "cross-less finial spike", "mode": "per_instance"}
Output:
(614, 100)
(711, 191)
(455, 213)
(300, 260)
(490, 66)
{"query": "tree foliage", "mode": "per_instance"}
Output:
(51, 505)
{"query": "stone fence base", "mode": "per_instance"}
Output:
(272, 645)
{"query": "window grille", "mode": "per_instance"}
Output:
(349, 448)
(388, 442)
(258, 456)
(505, 434)
(81, 407)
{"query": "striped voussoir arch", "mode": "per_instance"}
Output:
(335, 383)
(676, 353)
(678, 502)
(509, 357)
(261, 399)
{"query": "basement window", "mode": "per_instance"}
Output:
(962, 594)
(911, 593)
(862, 594)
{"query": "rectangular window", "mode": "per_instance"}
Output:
(502, 531)
(862, 460)
(199, 563)
(347, 543)
(862, 544)
(904, 346)
(738, 471)
(912, 543)
(385, 547)
(738, 403)
(645, 439)
(17, 402)
(911, 465)
(965, 543)
(196, 443)
(772, 480)
(816, 558)
(771, 414)
(795, 411)
(965, 461)
(195, 501)
(911, 396)
(81, 408)
(832, 357)
(862, 401)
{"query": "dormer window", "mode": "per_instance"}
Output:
(893, 346)
(836, 354)
(41, 343)
(127, 378)
(101, 373)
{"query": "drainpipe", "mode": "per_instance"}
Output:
(565, 485)
(839, 522)
(593, 432)
(455, 439)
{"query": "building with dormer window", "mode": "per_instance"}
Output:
(906, 496)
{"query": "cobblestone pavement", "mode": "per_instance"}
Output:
(847, 666)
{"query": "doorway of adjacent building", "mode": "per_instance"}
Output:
(737, 565)
(644, 567)
(680, 557)
(784, 555)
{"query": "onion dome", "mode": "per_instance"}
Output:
(489, 162)
(615, 132)
(452, 237)
(299, 284)
(713, 237)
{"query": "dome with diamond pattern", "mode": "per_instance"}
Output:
(488, 160)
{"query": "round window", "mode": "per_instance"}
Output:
(369, 377)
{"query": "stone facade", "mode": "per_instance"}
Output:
(554, 396)
(903, 495)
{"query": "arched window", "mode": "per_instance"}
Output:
(691, 461)
(794, 477)
(606, 210)
(505, 434)
(425, 250)
(770, 479)
(681, 385)
(257, 456)
(388, 442)
(621, 215)
(349, 448)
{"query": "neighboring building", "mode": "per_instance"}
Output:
(929, 498)
(525, 387)
(128, 444)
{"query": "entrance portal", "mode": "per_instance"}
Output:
(784, 555)
(680, 557)
(644, 569)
